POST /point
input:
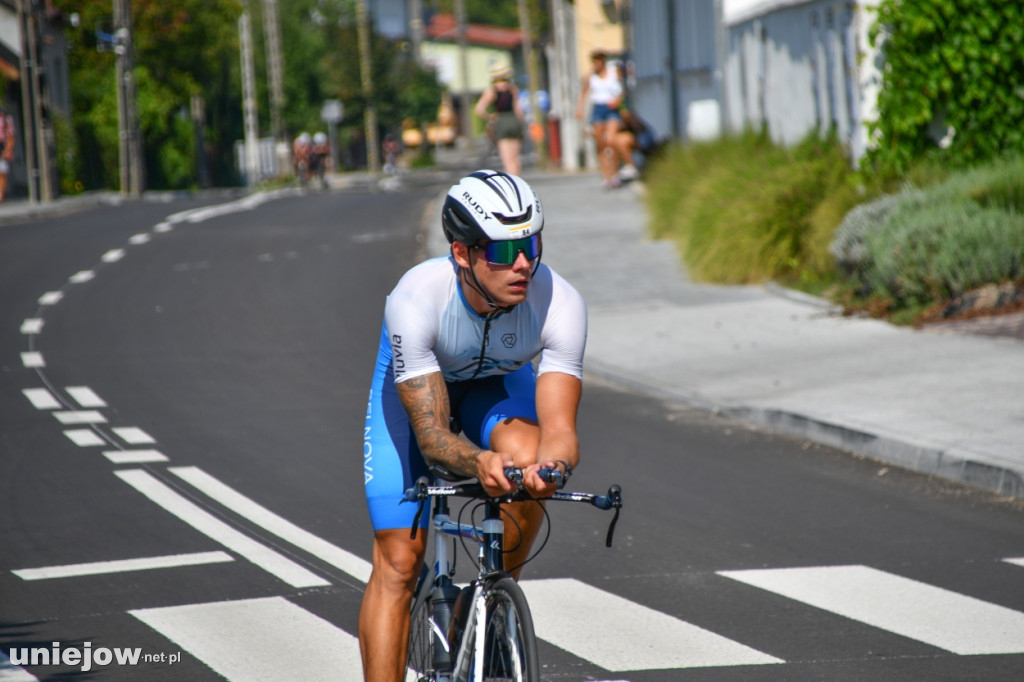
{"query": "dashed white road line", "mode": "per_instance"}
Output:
(134, 456)
(84, 438)
(41, 399)
(51, 297)
(72, 417)
(81, 276)
(133, 435)
(112, 256)
(32, 325)
(32, 359)
(85, 396)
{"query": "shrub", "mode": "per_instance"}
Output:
(745, 210)
(934, 244)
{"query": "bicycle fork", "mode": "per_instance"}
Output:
(491, 561)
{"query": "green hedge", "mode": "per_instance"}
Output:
(948, 64)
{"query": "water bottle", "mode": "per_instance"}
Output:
(461, 613)
(442, 600)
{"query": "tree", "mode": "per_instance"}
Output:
(954, 69)
(185, 48)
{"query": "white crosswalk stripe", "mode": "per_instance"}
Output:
(257, 640)
(632, 637)
(929, 614)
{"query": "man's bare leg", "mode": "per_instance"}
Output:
(384, 616)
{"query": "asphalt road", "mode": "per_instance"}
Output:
(226, 363)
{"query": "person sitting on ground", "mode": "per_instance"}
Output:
(636, 141)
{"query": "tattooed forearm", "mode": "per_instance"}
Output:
(425, 399)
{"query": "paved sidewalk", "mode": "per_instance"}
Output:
(951, 405)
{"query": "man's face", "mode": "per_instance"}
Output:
(507, 284)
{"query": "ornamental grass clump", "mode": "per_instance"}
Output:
(743, 209)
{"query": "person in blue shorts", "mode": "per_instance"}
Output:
(605, 90)
(459, 339)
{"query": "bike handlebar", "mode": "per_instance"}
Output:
(472, 488)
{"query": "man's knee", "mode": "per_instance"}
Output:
(396, 557)
(519, 437)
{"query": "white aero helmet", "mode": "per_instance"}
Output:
(491, 206)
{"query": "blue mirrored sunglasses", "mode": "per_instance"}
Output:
(506, 252)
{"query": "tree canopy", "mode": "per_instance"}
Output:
(190, 48)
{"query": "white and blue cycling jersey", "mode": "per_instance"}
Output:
(429, 327)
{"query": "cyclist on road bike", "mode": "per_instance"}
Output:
(459, 336)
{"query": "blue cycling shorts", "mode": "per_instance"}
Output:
(391, 457)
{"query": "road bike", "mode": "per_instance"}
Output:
(482, 632)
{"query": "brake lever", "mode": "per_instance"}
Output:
(615, 497)
(421, 494)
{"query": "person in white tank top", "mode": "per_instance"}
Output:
(605, 91)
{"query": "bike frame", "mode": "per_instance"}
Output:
(490, 539)
(490, 559)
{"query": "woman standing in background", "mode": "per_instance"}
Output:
(507, 119)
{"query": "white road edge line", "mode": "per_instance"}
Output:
(286, 530)
(123, 565)
(259, 554)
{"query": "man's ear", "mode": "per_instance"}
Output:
(460, 252)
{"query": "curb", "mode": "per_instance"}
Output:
(965, 468)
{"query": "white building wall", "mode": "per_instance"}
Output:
(800, 66)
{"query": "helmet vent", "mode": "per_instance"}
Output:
(515, 219)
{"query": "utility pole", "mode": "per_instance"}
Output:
(372, 143)
(27, 118)
(567, 89)
(465, 122)
(532, 69)
(129, 147)
(37, 149)
(416, 27)
(275, 71)
(248, 101)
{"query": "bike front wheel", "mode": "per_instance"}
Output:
(510, 645)
(420, 666)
